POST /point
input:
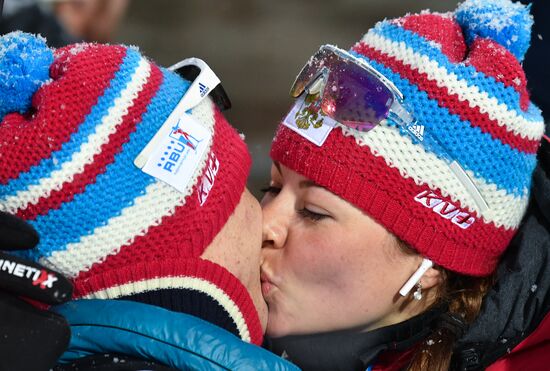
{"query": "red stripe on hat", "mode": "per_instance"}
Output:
(440, 29)
(108, 151)
(365, 180)
(192, 267)
(450, 101)
(60, 107)
(496, 61)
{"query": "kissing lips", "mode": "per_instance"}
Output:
(267, 284)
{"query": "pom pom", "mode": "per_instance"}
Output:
(507, 23)
(25, 60)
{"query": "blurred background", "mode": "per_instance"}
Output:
(256, 47)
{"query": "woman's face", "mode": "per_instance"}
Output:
(327, 265)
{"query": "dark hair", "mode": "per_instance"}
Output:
(463, 295)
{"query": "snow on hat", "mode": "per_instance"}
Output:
(72, 122)
(461, 77)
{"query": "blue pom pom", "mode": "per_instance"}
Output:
(503, 21)
(25, 61)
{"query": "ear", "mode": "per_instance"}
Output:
(431, 278)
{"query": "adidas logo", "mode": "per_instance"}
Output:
(203, 89)
(417, 131)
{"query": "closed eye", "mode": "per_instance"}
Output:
(313, 216)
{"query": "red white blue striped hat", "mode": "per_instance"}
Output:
(461, 75)
(72, 122)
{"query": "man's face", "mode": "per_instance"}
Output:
(237, 247)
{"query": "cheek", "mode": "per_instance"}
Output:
(319, 261)
(251, 241)
(253, 225)
(342, 267)
(254, 220)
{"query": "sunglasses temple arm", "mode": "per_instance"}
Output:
(205, 82)
(400, 115)
(403, 118)
(467, 182)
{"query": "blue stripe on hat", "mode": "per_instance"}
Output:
(487, 84)
(122, 181)
(47, 165)
(488, 158)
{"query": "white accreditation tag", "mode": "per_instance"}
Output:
(307, 119)
(177, 154)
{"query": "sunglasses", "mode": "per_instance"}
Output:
(204, 82)
(353, 93)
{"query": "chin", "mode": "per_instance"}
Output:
(276, 328)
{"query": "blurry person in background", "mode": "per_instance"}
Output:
(91, 20)
(63, 22)
(400, 178)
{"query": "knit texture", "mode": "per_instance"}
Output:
(116, 231)
(469, 93)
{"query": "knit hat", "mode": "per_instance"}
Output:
(461, 77)
(73, 120)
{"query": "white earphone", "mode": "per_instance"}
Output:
(426, 264)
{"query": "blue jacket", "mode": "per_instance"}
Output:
(148, 332)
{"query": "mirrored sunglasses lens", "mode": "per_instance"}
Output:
(354, 97)
(310, 71)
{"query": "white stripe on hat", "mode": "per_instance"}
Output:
(400, 152)
(147, 210)
(177, 282)
(90, 147)
(496, 110)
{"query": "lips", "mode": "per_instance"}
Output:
(267, 284)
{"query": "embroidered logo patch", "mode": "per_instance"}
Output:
(209, 178)
(445, 209)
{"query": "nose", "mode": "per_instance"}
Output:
(275, 223)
